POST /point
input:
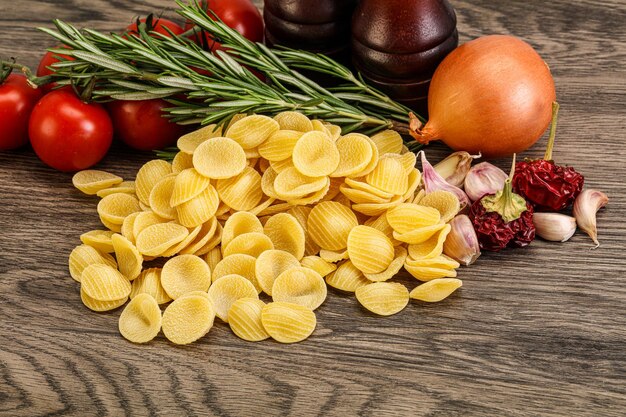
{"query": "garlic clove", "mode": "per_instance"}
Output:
(433, 182)
(586, 206)
(462, 243)
(455, 167)
(554, 227)
(483, 178)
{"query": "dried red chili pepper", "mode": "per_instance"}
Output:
(503, 219)
(546, 185)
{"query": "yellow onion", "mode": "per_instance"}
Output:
(492, 95)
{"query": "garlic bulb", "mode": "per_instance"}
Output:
(462, 243)
(484, 178)
(455, 167)
(586, 206)
(554, 227)
(433, 182)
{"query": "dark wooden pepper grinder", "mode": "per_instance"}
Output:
(321, 26)
(397, 45)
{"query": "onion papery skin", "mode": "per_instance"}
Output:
(492, 95)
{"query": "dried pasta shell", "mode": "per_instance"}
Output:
(160, 198)
(287, 322)
(418, 196)
(357, 184)
(315, 155)
(394, 267)
(442, 261)
(421, 235)
(274, 209)
(388, 141)
(301, 286)
(362, 197)
(329, 225)
(187, 185)
(355, 153)
(244, 319)
(211, 243)
(115, 207)
(383, 298)
(333, 256)
(369, 249)
(98, 239)
(126, 187)
(140, 321)
(213, 257)
(129, 260)
(291, 184)
(145, 219)
(210, 159)
(239, 224)
(267, 183)
(101, 306)
(424, 273)
(415, 179)
(228, 289)
(334, 131)
(370, 167)
(148, 175)
(156, 239)
(312, 197)
(149, 282)
(381, 223)
(238, 264)
(445, 202)
(408, 161)
(407, 217)
(286, 234)
(252, 244)
(292, 120)
(370, 209)
(242, 192)
(280, 166)
(181, 162)
(104, 283)
(127, 226)
(82, 256)
(262, 206)
(279, 146)
(333, 188)
(193, 233)
(199, 209)
(270, 264)
(436, 290)
(347, 277)
(251, 131)
(183, 274)
(189, 143)
(188, 319)
(206, 233)
(318, 265)
(390, 176)
(301, 213)
(91, 181)
(432, 247)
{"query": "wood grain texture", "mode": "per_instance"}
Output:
(539, 331)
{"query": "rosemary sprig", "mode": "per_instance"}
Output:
(156, 66)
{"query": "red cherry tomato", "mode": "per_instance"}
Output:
(17, 99)
(68, 134)
(141, 125)
(47, 60)
(241, 15)
(159, 25)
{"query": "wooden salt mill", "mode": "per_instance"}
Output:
(397, 45)
(321, 26)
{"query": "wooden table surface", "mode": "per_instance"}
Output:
(539, 331)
